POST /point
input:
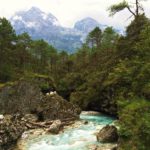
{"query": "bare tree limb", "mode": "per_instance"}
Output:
(129, 17)
(131, 11)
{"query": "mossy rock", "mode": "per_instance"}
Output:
(45, 83)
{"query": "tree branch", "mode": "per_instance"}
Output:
(129, 17)
(137, 8)
(131, 11)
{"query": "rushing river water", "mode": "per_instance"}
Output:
(77, 138)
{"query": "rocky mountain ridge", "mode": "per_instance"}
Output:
(41, 25)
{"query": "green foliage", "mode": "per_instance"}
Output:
(69, 84)
(7, 37)
(136, 9)
(134, 29)
(7, 34)
(134, 120)
(109, 39)
(40, 51)
(6, 73)
(45, 82)
(117, 7)
(94, 38)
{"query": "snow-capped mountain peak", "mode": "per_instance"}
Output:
(34, 17)
(41, 25)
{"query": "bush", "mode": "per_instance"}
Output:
(134, 120)
(6, 73)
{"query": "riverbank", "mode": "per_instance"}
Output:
(80, 135)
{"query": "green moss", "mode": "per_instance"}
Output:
(30, 75)
(45, 82)
(2, 85)
(6, 84)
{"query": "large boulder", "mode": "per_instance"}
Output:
(55, 107)
(11, 128)
(25, 97)
(22, 97)
(55, 127)
(108, 134)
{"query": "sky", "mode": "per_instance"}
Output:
(70, 11)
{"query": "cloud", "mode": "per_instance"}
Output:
(69, 11)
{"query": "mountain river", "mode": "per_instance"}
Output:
(78, 137)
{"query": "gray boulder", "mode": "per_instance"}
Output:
(55, 127)
(55, 107)
(25, 97)
(108, 134)
(21, 97)
(11, 128)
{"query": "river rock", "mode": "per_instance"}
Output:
(26, 97)
(107, 147)
(22, 97)
(30, 117)
(11, 128)
(103, 147)
(108, 134)
(92, 147)
(55, 127)
(85, 122)
(55, 107)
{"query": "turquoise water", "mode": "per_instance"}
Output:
(77, 138)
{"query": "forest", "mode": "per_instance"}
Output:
(109, 73)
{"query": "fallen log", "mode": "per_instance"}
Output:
(46, 124)
(39, 124)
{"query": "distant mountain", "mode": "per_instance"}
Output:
(87, 24)
(40, 25)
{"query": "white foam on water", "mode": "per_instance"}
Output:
(78, 138)
(72, 146)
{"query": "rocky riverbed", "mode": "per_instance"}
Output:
(24, 106)
(81, 135)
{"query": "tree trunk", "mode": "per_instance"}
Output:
(137, 8)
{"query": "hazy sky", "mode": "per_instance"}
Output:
(69, 11)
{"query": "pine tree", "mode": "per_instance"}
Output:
(94, 38)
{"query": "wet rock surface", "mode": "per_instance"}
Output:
(108, 134)
(11, 128)
(55, 127)
(104, 147)
(76, 136)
